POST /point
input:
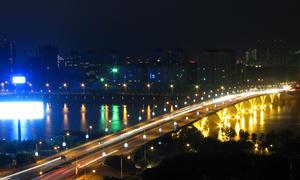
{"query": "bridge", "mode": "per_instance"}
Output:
(69, 162)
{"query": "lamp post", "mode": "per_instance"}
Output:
(2, 87)
(65, 86)
(82, 85)
(87, 136)
(197, 88)
(64, 144)
(47, 85)
(30, 85)
(172, 87)
(121, 163)
(148, 87)
(125, 86)
(105, 86)
(36, 153)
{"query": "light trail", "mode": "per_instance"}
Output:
(94, 160)
(165, 118)
(181, 112)
(29, 169)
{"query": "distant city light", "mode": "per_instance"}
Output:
(102, 79)
(18, 80)
(114, 70)
(21, 110)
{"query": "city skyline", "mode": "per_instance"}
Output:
(134, 26)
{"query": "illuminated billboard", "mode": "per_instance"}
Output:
(21, 110)
(18, 79)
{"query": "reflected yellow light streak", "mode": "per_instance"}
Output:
(171, 108)
(83, 108)
(250, 124)
(237, 128)
(65, 108)
(83, 120)
(148, 112)
(106, 112)
(243, 123)
(66, 121)
(125, 116)
(262, 118)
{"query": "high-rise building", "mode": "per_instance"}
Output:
(268, 53)
(7, 57)
(48, 55)
(47, 59)
(251, 57)
(216, 67)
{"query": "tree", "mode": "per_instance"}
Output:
(244, 135)
(230, 133)
(254, 137)
(262, 137)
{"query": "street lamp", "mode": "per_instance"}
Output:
(82, 85)
(125, 145)
(148, 85)
(30, 85)
(106, 86)
(125, 86)
(65, 85)
(36, 153)
(102, 79)
(172, 87)
(87, 136)
(197, 88)
(2, 86)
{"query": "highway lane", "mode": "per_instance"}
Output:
(133, 143)
(110, 140)
(138, 140)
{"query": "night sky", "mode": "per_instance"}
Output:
(136, 25)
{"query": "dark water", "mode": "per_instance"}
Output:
(78, 114)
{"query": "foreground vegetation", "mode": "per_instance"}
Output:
(190, 155)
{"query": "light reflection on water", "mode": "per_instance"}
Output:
(258, 119)
(78, 116)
